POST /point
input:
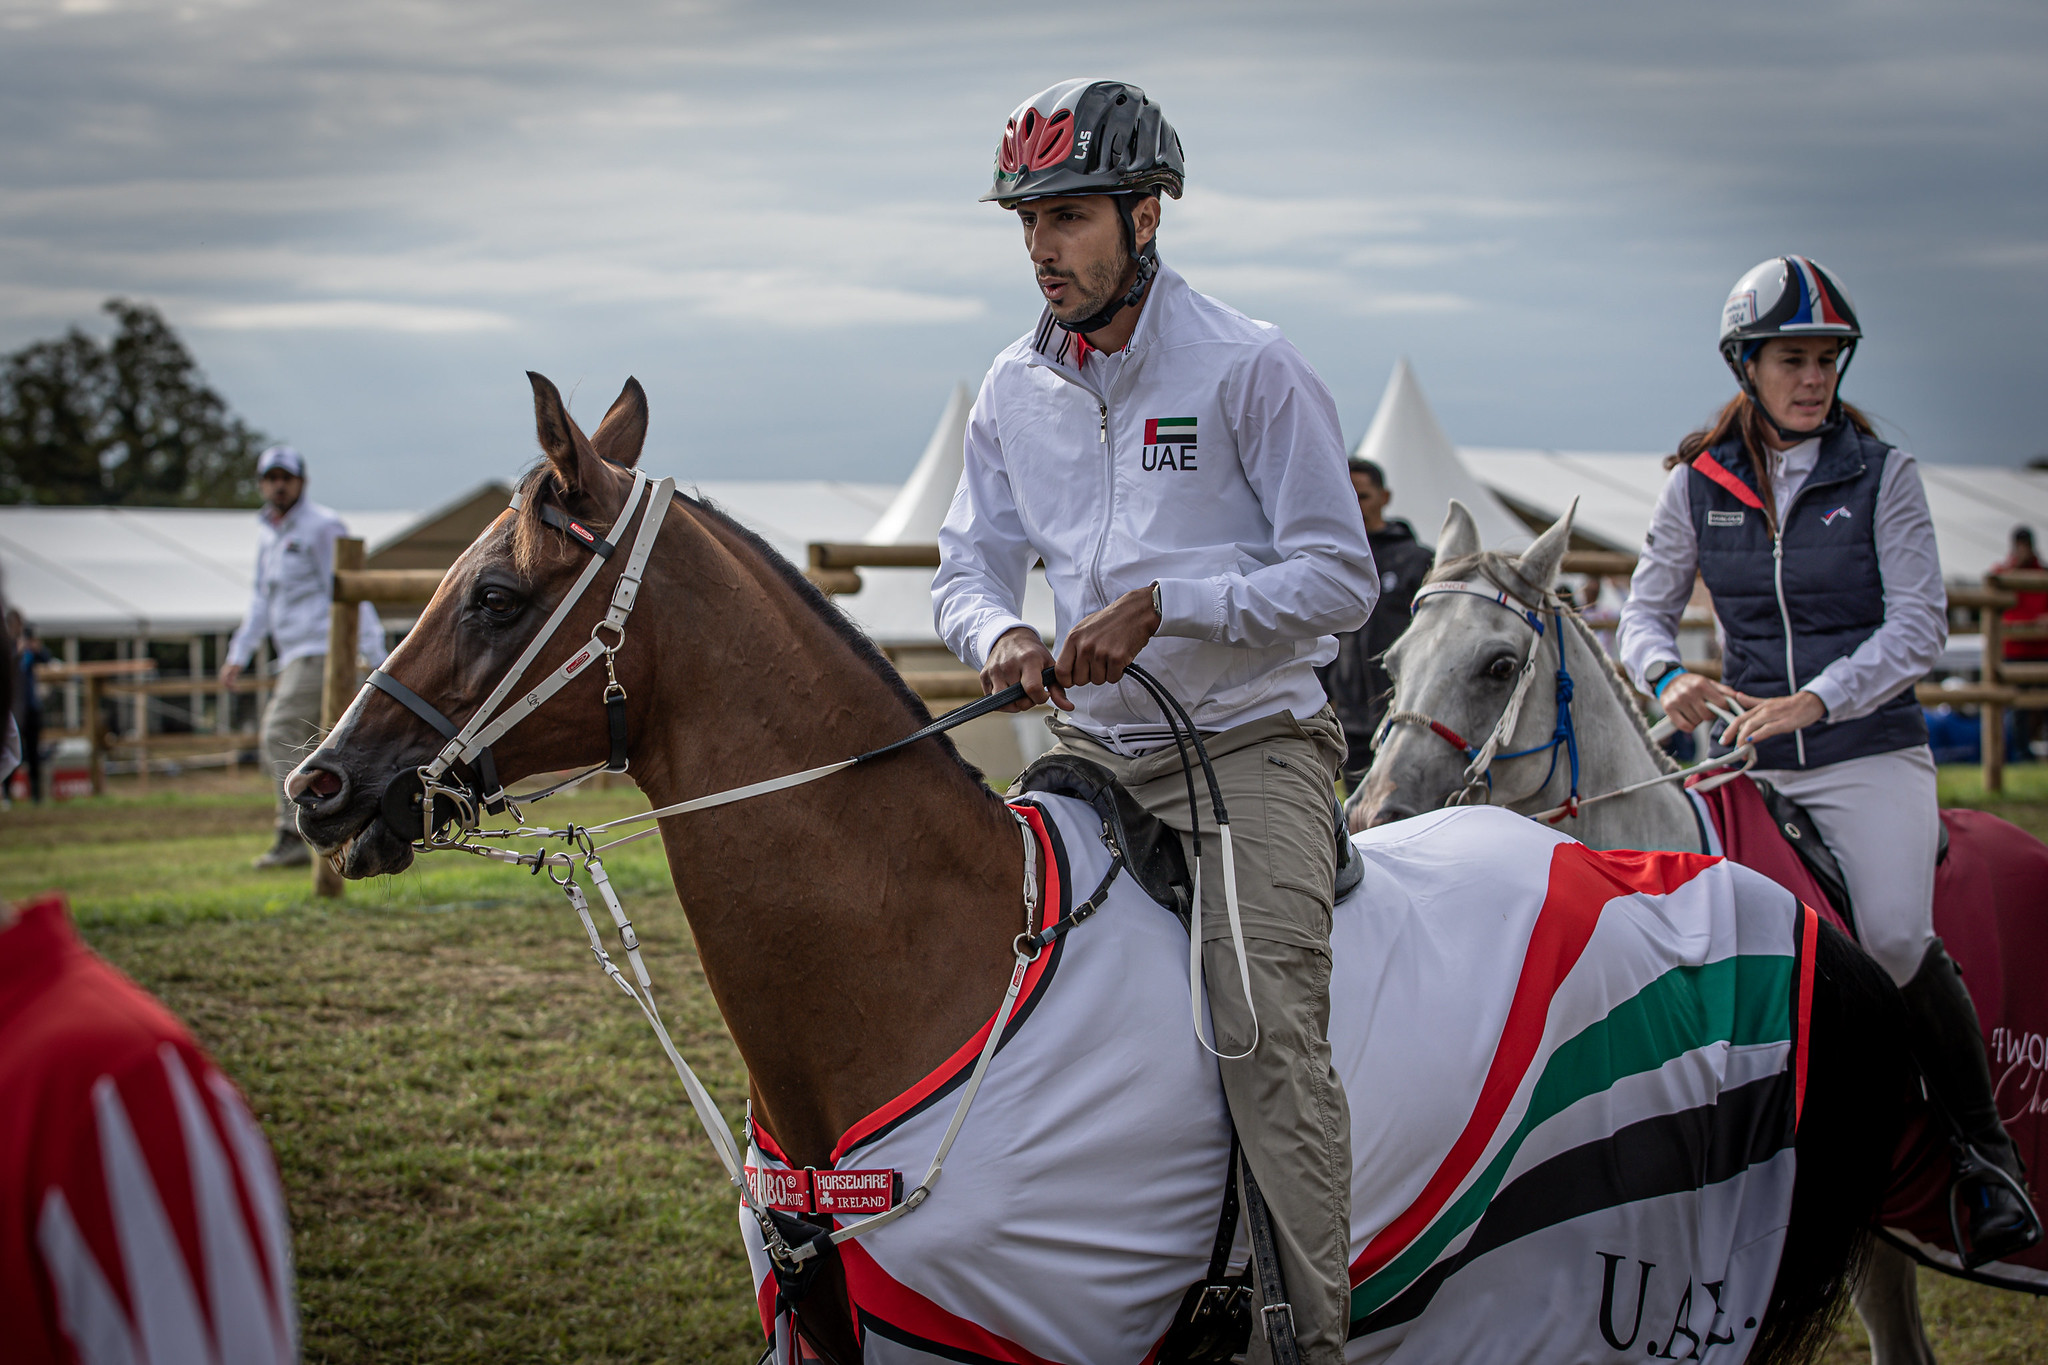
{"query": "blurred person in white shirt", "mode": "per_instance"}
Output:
(294, 589)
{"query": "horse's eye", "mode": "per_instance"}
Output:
(498, 601)
(1501, 669)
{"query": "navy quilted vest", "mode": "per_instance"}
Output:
(1831, 592)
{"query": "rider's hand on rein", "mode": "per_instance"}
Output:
(1103, 644)
(1688, 700)
(1768, 717)
(1019, 656)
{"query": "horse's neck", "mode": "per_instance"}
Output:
(1613, 753)
(854, 931)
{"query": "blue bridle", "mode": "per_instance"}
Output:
(1563, 736)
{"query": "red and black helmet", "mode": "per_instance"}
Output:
(1086, 137)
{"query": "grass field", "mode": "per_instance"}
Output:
(486, 1156)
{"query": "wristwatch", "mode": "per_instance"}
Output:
(1158, 609)
(1659, 672)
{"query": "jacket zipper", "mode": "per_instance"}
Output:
(1785, 620)
(1778, 584)
(1108, 499)
(1109, 478)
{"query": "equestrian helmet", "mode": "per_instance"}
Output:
(1786, 296)
(1086, 137)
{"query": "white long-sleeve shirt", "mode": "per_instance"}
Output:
(1898, 653)
(295, 587)
(1205, 456)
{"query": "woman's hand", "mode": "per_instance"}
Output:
(1768, 717)
(1688, 696)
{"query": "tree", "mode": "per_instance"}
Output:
(131, 422)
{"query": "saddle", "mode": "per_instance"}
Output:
(1153, 854)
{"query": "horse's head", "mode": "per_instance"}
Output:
(1456, 665)
(492, 603)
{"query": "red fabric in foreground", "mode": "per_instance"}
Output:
(1991, 909)
(83, 1047)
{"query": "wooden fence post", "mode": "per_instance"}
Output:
(1992, 715)
(95, 740)
(344, 641)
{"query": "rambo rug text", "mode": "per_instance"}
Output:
(1574, 1079)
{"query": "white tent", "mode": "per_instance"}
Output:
(1425, 471)
(1974, 507)
(919, 509)
(133, 572)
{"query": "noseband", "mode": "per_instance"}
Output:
(1480, 758)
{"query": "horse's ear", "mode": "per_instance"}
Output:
(1460, 536)
(619, 436)
(1540, 562)
(576, 464)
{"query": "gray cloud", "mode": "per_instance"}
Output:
(370, 218)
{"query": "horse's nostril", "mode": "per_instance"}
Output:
(314, 784)
(1387, 815)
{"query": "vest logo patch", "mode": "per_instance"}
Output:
(1828, 518)
(1169, 443)
(1724, 518)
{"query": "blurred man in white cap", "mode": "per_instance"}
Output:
(294, 578)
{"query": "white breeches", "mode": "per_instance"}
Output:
(1881, 817)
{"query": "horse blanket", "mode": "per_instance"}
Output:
(1574, 1081)
(1991, 909)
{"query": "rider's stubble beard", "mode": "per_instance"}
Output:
(1098, 283)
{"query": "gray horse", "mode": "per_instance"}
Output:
(1474, 716)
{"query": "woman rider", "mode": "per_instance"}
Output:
(1815, 540)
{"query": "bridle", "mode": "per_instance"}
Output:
(1480, 758)
(442, 797)
(448, 811)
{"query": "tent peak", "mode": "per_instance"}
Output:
(919, 509)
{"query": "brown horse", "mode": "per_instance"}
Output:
(853, 932)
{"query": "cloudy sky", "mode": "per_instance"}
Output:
(369, 218)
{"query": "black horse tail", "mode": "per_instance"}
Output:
(1859, 1087)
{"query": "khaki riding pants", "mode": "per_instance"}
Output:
(1286, 1099)
(291, 728)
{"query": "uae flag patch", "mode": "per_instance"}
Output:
(1169, 431)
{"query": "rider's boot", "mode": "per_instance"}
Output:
(1948, 1042)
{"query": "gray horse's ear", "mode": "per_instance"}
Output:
(1541, 561)
(1460, 536)
(576, 463)
(623, 431)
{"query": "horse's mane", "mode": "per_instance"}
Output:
(1504, 571)
(529, 537)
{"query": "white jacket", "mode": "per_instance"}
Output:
(1205, 455)
(295, 588)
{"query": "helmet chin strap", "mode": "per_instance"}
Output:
(1147, 257)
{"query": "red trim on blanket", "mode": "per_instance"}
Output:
(879, 1295)
(1051, 902)
(1809, 940)
(770, 1148)
(1582, 882)
(1713, 469)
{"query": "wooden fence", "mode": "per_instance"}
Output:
(2003, 684)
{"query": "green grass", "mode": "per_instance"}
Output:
(485, 1154)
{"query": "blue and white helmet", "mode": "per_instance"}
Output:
(1786, 296)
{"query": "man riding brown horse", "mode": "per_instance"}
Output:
(1179, 469)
